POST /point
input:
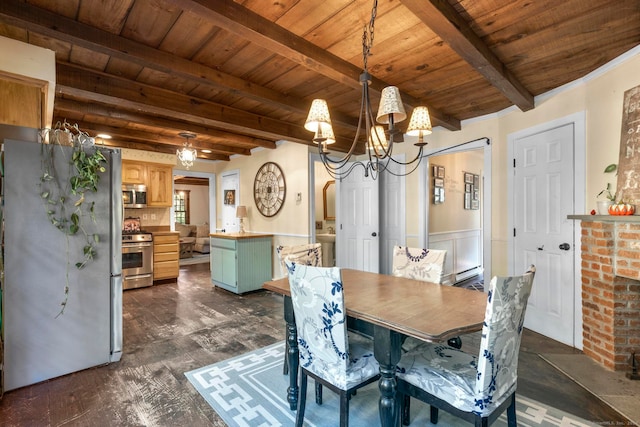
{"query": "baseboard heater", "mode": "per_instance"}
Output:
(464, 275)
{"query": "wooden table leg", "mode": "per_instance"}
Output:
(387, 347)
(292, 356)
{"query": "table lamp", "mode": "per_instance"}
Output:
(241, 212)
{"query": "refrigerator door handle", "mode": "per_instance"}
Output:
(116, 318)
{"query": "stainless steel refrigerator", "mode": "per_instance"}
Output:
(37, 344)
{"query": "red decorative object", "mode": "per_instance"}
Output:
(622, 209)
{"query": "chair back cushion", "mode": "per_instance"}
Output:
(318, 306)
(419, 264)
(500, 344)
(309, 254)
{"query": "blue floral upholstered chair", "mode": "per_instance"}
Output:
(475, 388)
(327, 354)
(309, 254)
(426, 265)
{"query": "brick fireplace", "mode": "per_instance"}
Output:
(610, 289)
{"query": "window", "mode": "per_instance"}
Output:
(181, 206)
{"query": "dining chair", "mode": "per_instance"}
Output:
(307, 254)
(422, 264)
(327, 352)
(475, 388)
(426, 265)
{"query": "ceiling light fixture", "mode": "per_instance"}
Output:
(379, 143)
(187, 154)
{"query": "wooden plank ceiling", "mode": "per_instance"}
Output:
(242, 74)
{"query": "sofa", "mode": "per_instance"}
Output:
(199, 234)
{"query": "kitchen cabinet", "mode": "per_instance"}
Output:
(166, 255)
(134, 173)
(27, 84)
(157, 177)
(159, 186)
(240, 262)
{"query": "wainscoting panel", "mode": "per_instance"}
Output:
(464, 253)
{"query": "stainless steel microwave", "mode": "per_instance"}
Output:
(134, 196)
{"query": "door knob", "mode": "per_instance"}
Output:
(564, 246)
(374, 234)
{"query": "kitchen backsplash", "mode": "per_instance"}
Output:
(150, 216)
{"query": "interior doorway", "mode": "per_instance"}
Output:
(201, 188)
(455, 188)
(197, 178)
(322, 210)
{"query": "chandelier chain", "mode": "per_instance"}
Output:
(367, 35)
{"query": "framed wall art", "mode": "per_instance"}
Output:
(438, 184)
(229, 197)
(468, 178)
(471, 191)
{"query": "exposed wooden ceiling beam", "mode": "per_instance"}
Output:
(443, 19)
(68, 30)
(147, 137)
(70, 106)
(239, 20)
(137, 145)
(191, 180)
(107, 89)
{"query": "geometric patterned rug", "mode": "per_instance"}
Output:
(250, 390)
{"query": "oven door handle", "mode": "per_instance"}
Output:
(137, 245)
(137, 276)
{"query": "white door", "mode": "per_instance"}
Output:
(231, 198)
(392, 214)
(357, 218)
(543, 197)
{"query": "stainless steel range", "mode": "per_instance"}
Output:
(137, 255)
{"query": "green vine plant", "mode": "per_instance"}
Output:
(64, 199)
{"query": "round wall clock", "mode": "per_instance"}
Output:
(269, 189)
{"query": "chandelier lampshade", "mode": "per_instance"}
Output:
(377, 141)
(419, 124)
(318, 116)
(390, 109)
(325, 135)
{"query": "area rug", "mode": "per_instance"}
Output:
(250, 390)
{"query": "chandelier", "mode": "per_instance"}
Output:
(187, 154)
(379, 142)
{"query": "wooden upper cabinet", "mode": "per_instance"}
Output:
(159, 186)
(134, 173)
(21, 104)
(158, 179)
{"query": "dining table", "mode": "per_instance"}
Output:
(394, 308)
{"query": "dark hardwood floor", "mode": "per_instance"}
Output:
(173, 328)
